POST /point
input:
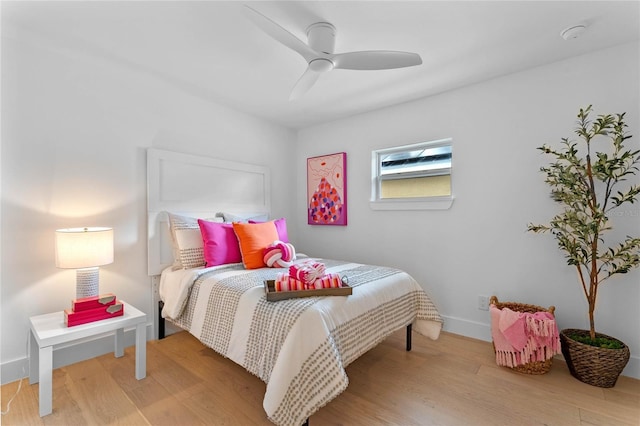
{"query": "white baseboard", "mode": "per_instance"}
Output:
(482, 331)
(464, 327)
(11, 371)
(633, 368)
(69, 354)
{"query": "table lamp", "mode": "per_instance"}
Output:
(84, 249)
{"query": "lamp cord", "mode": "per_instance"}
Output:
(24, 373)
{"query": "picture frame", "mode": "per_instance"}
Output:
(327, 189)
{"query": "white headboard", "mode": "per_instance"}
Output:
(197, 186)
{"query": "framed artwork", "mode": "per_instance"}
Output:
(327, 189)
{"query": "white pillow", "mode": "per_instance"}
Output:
(230, 217)
(188, 248)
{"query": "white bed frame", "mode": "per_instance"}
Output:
(198, 186)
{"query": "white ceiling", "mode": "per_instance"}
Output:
(211, 50)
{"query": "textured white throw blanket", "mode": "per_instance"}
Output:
(299, 347)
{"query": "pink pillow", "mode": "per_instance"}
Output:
(281, 227)
(220, 243)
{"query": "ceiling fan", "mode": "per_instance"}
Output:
(318, 52)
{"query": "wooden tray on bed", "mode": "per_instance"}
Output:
(273, 295)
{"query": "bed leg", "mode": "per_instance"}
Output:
(161, 331)
(409, 327)
(306, 422)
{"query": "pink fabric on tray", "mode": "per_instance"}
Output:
(307, 272)
(328, 281)
(520, 338)
(285, 282)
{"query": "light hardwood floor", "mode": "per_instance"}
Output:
(451, 381)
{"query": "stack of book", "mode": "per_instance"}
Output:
(94, 308)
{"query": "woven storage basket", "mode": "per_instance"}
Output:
(534, 367)
(592, 365)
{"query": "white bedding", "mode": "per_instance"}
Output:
(299, 347)
(175, 285)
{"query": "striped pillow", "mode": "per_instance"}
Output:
(188, 248)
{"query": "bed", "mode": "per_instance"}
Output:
(299, 347)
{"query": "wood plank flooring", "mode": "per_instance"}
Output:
(451, 381)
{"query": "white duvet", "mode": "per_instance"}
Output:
(299, 347)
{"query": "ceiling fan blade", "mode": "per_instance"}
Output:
(280, 34)
(305, 83)
(375, 60)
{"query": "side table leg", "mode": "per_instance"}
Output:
(119, 343)
(45, 365)
(141, 351)
(33, 359)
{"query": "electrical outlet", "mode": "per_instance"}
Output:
(483, 303)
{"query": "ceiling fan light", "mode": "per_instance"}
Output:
(321, 65)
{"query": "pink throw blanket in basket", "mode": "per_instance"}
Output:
(520, 338)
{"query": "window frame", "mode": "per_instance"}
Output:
(409, 203)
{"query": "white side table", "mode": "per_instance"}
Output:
(49, 330)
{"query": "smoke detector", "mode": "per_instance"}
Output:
(573, 32)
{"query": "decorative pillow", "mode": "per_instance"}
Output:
(279, 255)
(229, 217)
(220, 243)
(253, 239)
(187, 241)
(281, 227)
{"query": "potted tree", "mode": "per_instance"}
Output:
(586, 184)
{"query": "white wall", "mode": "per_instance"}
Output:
(75, 129)
(76, 124)
(479, 246)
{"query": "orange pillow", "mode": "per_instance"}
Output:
(253, 239)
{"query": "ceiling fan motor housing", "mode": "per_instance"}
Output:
(321, 37)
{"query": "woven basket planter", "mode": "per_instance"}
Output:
(534, 367)
(590, 364)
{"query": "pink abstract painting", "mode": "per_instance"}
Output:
(327, 189)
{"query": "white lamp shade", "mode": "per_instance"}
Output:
(84, 247)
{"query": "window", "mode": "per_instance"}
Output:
(412, 177)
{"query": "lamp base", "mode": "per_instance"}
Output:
(87, 282)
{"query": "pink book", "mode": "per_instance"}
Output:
(93, 302)
(82, 317)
